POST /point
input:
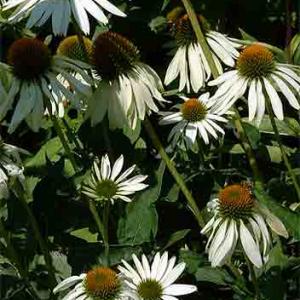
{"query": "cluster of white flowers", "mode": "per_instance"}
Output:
(118, 85)
(144, 282)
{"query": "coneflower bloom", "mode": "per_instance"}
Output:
(35, 85)
(258, 73)
(240, 221)
(10, 167)
(194, 117)
(127, 87)
(98, 283)
(107, 183)
(61, 13)
(155, 282)
(189, 62)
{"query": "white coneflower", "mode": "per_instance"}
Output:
(127, 86)
(240, 219)
(258, 70)
(35, 82)
(10, 166)
(109, 184)
(61, 12)
(155, 282)
(189, 62)
(196, 116)
(99, 283)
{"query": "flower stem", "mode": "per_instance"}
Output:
(253, 278)
(200, 37)
(102, 227)
(284, 155)
(64, 142)
(248, 150)
(14, 258)
(35, 228)
(178, 178)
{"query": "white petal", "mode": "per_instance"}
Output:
(250, 246)
(180, 289)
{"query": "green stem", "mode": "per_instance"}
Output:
(284, 155)
(248, 150)
(106, 223)
(64, 142)
(92, 205)
(200, 37)
(101, 227)
(178, 178)
(14, 258)
(253, 278)
(35, 228)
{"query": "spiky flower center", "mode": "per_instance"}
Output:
(193, 110)
(29, 58)
(113, 55)
(106, 189)
(236, 201)
(102, 283)
(150, 290)
(183, 30)
(255, 61)
(72, 48)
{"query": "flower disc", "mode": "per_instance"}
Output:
(72, 48)
(236, 201)
(113, 55)
(255, 61)
(193, 110)
(184, 32)
(29, 58)
(102, 283)
(150, 290)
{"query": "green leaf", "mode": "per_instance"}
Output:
(277, 257)
(192, 260)
(214, 275)
(60, 264)
(85, 234)
(247, 36)
(290, 219)
(51, 150)
(253, 134)
(176, 237)
(165, 4)
(288, 126)
(141, 220)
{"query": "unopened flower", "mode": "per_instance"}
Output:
(100, 283)
(126, 87)
(195, 117)
(10, 167)
(35, 85)
(189, 62)
(61, 13)
(107, 183)
(155, 282)
(240, 220)
(258, 72)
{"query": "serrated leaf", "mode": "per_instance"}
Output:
(176, 237)
(85, 234)
(140, 223)
(60, 264)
